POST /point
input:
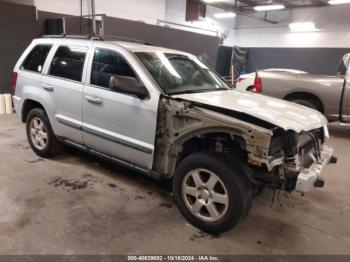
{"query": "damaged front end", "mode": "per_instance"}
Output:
(298, 160)
(269, 155)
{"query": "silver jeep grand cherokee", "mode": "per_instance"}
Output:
(166, 114)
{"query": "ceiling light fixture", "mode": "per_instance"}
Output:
(268, 7)
(225, 15)
(338, 2)
(302, 27)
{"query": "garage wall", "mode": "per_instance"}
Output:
(272, 46)
(17, 24)
(324, 61)
(175, 13)
(20, 22)
(332, 23)
(198, 44)
(140, 10)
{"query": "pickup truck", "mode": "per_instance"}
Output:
(329, 95)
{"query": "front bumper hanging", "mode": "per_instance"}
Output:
(310, 178)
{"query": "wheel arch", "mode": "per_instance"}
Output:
(307, 96)
(192, 142)
(189, 140)
(28, 105)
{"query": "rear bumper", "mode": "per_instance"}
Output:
(17, 102)
(310, 178)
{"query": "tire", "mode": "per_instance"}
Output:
(311, 103)
(38, 120)
(250, 89)
(236, 187)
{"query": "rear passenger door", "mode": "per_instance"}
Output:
(117, 124)
(63, 84)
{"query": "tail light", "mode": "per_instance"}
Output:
(257, 85)
(14, 80)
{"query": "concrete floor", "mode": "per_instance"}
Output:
(77, 204)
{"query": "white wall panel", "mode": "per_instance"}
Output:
(332, 29)
(176, 11)
(140, 10)
(332, 22)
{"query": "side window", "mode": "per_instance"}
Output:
(107, 64)
(342, 69)
(68, 62)
(36, 58)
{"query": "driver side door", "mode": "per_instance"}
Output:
(116, 124)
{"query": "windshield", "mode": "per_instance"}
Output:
(178, 74)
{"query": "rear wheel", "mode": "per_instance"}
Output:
(311, 103)
(40, 135)
(211, 191)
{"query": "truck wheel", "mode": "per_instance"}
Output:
(313, 104)
(211, 191)
(40, 135)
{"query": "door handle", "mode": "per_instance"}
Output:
(94, 100)
(48, 87)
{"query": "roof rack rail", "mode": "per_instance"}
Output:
(99, 37)
(72, 36)
(121, 38)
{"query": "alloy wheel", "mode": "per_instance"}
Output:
(205, 195)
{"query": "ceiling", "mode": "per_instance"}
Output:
(248, 5)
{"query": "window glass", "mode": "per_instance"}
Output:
(178, 74)
(107, 64)
(36, 58)
(342, 69)
(68, 62)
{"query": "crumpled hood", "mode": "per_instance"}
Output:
(283, 114)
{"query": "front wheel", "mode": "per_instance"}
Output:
(211, 191)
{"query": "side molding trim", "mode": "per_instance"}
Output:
(73, 124)
(115, 160)
(67, 122)
(117, 140)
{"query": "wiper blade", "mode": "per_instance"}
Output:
(183, 92)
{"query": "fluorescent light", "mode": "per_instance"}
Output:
(338, 2)
(268, 7)
(225, 15)
(302, 27)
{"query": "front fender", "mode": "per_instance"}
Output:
(178, 123)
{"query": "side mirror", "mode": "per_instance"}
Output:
(128, 85)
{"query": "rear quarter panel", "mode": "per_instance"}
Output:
(327, 88)
(29, 83)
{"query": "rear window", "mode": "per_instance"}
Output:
(36, 58)
(68, 62)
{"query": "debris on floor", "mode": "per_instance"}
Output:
(74, 184)
(35, 161)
